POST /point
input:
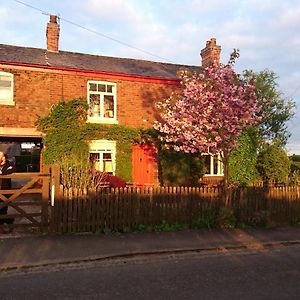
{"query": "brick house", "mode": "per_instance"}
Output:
(118, 90)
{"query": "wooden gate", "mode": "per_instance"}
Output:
(27, 201)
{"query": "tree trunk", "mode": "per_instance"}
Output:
(225, 160)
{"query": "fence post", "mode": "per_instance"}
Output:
(55, 182)
(45, 197)
(55, 196)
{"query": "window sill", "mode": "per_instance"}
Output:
(102, 121)
(213, 175)
(8, 103)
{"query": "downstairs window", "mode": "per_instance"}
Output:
(103, 156)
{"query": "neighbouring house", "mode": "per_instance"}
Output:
(118, 91)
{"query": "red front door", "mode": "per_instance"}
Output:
(144, 167)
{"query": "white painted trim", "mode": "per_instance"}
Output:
(19, 132)
(104, 146)
(10, 100)
(220, 169)
(101, 119)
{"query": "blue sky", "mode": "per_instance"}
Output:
(265, 31)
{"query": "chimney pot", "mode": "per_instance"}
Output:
(53, 19)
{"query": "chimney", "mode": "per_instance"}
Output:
(52, 34)
(211, 53)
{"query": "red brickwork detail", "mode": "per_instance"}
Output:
(35, 92)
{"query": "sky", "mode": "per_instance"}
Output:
(266, 32)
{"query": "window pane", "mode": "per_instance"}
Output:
(106, 155)
(101, 88)
(5, 82)
(95, 161)
(107, 163)
(207, 164)
(107, 166)
(5, 87)
(5, 94)
(94, 107)
(108, 106)
(109, 88)
(93, 87)
(215, 158)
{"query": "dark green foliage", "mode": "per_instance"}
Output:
(295, 163)
(295, 166)
(63, 128)
(243, 159)
(162, 227)
(67, 135)
(64, 115)
(124, 160)
(125, 137)
(273, 164)
(167, 227)
(207, 219)
(226, 218)
(276, 109)
(294, 177)
(222, 217)
(180, 169)
(295, 158)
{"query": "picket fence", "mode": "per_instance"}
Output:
(109, 209)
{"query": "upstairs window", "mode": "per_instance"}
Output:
(102, 102)
(6, 88)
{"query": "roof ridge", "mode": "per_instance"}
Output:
(100, 55)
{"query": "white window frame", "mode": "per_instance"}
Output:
(10, 100)
(102, 118)
(101, 147)
(220, 167)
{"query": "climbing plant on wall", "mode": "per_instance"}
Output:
(67, 136)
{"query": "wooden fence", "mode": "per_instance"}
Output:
(115, 209)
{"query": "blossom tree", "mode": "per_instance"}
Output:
(209, 112)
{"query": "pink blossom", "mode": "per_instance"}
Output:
(210, 111)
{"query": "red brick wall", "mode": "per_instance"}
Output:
(36, 90)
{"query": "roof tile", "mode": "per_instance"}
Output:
(88, 62)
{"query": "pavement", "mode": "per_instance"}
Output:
(19, 252)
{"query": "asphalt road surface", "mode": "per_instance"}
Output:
(273, 273)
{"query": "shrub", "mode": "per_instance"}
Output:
(226, 218)
(274, 164)
(243, 159)
(207, 219)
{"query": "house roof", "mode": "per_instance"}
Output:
(88, 62)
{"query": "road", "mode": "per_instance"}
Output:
(272, 273)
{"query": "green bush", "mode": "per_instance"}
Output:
(243, 159)
(273, 164)
(179, 168)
